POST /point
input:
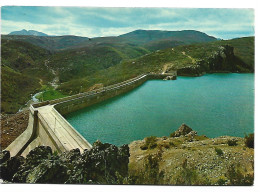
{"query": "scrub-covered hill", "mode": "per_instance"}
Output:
(151, 39)
(221, 56)
(22, 70)
(71, 71)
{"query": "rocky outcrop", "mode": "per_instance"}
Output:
(183, 130)
(169, 78)
(221, 60)
(103, 164)
(192, 70)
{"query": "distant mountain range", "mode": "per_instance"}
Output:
(29, 32)
(149, 39)
(30, 63)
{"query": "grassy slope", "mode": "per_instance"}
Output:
(86, 61)
(102, 63)
(204, 166)
(177, 57)
(15, 89)
(22, 67)
(135, 38)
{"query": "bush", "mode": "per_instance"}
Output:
(219, 151)
(232, 142)
(236, 177)
(249, 140)
(221, 181)
(150, 143)
(150, 174)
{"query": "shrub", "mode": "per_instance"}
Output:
(187, 176)
(232, 142)
(219, 151)
(150, 143)
(236, 177)
(150, 174)
(221, 181)
(249, 140)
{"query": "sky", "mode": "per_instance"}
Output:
(97, 22)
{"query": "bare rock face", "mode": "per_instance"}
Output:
(168, 78)
(102, 164)
(183, 130)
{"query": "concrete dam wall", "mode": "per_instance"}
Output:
(48, 127)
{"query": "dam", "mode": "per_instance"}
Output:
(48, 127)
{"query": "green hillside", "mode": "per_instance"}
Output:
(140, 37)
(27, 68)
(196, 57)
(143, 38)
(16, 89)
(83, 62)
(22, 68)
(25, 58)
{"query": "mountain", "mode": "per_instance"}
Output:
(29, 32)
(22, 69)
(79, 63)
(149, 39)
(235, 55)
(153, 39)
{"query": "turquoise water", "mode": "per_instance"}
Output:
(214, 105)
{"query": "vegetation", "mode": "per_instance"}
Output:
(175, 58)
(232, 142)
(249, 140)
(49, 93)
(187, 162)
(219, 151)
(141, 38)
(150, 143)
(82, 63)
(236, 177)
(16, 89)
(22, 69)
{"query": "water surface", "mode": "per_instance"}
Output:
(214, 105)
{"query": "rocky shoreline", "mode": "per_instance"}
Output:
(183, 158)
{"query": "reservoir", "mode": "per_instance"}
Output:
(213, 105)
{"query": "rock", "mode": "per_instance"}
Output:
(33, 159)
(192, 134)
(164, 137)
(4, 156)
(183, 130)
(168, 78)
(49, 171)
(102, 164)
(10, 167)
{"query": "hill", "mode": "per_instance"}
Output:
(22, 68)
(29, 32)
(149, 39)
(108, 61)
(190, 159)
(156, 39)
(221, 56)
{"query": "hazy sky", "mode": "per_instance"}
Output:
(95, 22)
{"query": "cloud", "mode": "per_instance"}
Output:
(93, 22)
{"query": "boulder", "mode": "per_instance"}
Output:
(10, 167)
(183, 130)
(192, 134)
(4, 156)
(102, 164)
(168, 78)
